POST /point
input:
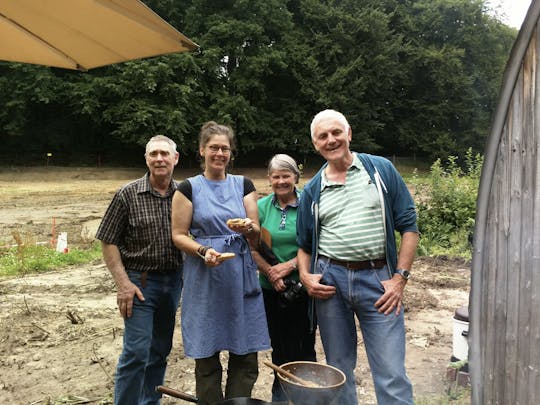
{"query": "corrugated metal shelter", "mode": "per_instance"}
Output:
(504, 340)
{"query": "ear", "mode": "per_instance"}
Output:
(350, 134)
(176, 158)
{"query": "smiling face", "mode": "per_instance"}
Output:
(216, 153)
(282, 183)
(160, 159)
(331, 139)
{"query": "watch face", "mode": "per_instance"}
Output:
(404, 273)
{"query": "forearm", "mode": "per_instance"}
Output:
(187, 244)
(113, 261)
(407, 250)
(262, 265)
(303, 262)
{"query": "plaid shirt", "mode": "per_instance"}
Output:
(138, 222)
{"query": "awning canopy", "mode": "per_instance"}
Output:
(84, 34)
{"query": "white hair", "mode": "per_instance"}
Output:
(161, 138)
(282, 161)
(328, 114)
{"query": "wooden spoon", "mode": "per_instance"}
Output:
(291, 376)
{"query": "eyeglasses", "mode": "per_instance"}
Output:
(224, 149)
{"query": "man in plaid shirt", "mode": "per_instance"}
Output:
(147, 268)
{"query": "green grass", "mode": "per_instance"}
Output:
(24, 259)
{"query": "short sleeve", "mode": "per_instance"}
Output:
(186, 189)
(249, 187)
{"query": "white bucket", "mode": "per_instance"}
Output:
(61, 244)
(460, 341)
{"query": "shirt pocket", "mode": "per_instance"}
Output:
(143, 230)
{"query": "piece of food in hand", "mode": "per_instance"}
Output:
(226, 256)
(237, 222)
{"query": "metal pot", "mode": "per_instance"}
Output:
(233, 401)
(329, 380)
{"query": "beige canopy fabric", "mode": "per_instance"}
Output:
(84, 34)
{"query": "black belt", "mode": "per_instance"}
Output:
(358, 265)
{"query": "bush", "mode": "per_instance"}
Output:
(446, 204)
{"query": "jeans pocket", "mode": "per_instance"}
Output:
(322, 268)
(379, 276)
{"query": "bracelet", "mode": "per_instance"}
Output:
(201, 251)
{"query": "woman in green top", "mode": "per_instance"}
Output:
(285, 300)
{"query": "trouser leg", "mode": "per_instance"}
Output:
(289, 329)
(137, 339)
(169, 286)
(384, 339)
(208, 380)
(242, 374)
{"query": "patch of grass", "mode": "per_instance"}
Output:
(455, 396)
(30, 258)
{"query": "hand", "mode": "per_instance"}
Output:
(314, 288)
(279, 285)
(393, 295)
(124, 298)
(211, 258)
(277, 271)
(245, 228)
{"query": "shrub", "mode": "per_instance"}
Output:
(446, 204)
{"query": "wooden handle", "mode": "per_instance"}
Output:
(176, 393)
(291, 376)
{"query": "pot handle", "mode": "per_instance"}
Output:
(177, 394)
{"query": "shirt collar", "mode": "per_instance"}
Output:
(275, 202)
(355, 165)
(145, 186)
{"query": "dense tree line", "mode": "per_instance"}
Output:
(415, 77)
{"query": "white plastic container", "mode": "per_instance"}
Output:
(61, 244)
(460, 341)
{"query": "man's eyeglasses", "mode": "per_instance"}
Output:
(224, 149)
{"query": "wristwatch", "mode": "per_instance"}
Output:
(404, 273)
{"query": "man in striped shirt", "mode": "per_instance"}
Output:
(135, 234)
(348, 259)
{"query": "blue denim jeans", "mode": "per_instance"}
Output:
(384, 335)
(147, 339)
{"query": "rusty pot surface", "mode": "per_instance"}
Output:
(329, 379)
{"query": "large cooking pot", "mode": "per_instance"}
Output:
(233, 401)
(328, 380)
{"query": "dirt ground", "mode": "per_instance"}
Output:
(61, 333)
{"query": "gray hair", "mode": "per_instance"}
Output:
(282, 161)
(161, 138)
(328, 114)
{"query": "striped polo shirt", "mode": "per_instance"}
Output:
(350, 215)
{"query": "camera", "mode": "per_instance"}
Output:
(293, 291)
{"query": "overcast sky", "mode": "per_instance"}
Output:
(515, 10)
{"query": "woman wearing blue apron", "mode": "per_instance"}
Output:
(222, 303)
